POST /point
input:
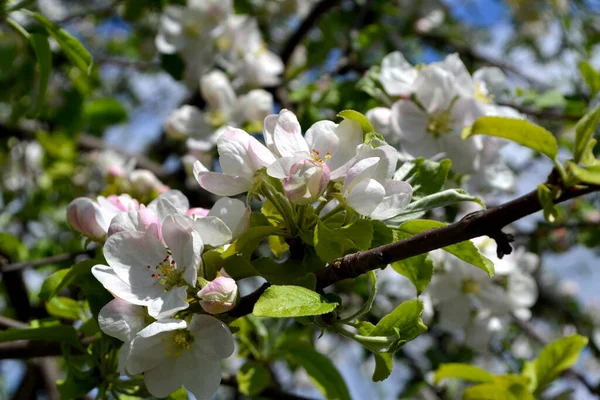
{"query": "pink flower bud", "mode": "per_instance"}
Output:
(115, 171)
(198, 212)
(306, 182)
(144, 182)
(124, 202)
(219, 296)
(86, 217)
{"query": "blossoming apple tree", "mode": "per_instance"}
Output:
(322, 200)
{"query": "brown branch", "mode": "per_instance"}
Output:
(6, 323)
(23, 349)
(59, 258)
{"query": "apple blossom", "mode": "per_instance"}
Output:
(173, 352)
(306, 181)
(219, 295)
(186, 121)
(381, 118)
(397, 75)
(240, 156)
(143, 270)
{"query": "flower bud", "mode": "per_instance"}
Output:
(86, 217)
(306, 181)
(183, 122)
(219, 296)
(217, 91)
(256, 105)
(144, 182)
(123, 202)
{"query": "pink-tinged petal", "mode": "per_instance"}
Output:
(397, 196)
(175, 197)
(213, 339)
(259, 155)
(221, 184)
(86, 217)
(219, 295)
(121, 319)
(111, 282)
(306, 182)
(197, 212)
(168, 303)
(131, 253)
(233, 152)
(288, 135)
(366, 196)
(233, 213)
(361, 170)
(140, 221)
(281, 167)
(185, 244)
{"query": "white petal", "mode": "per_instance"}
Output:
(233, 152)
(409, 120)
(212, 230)
(111, 282)
(281, 167)
(164, 209)
(462, 78)
(165, 378)
(287, 135)
(363, 169)
(168, 303)
(435, 89)
(366, 196)
(123, 356)
(222, 184)
(233, 213)
(209, 370)
(465, 154)
(454, 314)
(175, 197)
(213, 339)
(269, 130)
(397, 197)
(186, 246)
(260, 156)
(129, 254)
(522, 289)
(121, 319)
(397, 74)
(149, 349)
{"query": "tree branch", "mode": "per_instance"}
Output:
(24, 349)
(46, 261)
(268, 393)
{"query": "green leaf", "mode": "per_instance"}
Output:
(366, 307)
(589, 175)
(584, 130)
(591, 77)
(291, 301)
(61, 333)
(331, 243)
(248, 240)
(518, 130)
(488, 391)
(12, 247)
(418, 269)
(73, 49)
(546, 199)
(553, 360)
(466, 250)
(383, 366)
(549, 99)
(320, 369)
(179, 394)
(278, 246)
(64, 277)
(404, 322)
(465, 372)
(363, 121)
(382, 234)
(418, 208)
(518, 385)
(425, 176)
(279, 273)
(41, 47)
(100, 113)
(253, 378)
(64, 307)
(587, 158)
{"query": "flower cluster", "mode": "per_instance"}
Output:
(329, 155)
(155, 271)
(434, 103)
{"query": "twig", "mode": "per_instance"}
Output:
(290, 45)
(6, 322)
(46, 261)
(481, 223)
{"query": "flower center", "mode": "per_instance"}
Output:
(166, 272)
(318, 157)
(179, 342)
(471, 286)
(439, 124)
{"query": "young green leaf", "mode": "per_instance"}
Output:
(65, 307)
(584, 130)
(590, 76)
(287, 301)
(465, 372)
(384, 363)
(331, 243)
(65, 277)
(405, 322)
(425, 176)
(61, 333)
(546, 199)
(355, 116)
(488, 391)
(73, 49)
(253, 378)
(589, 175)
(518, 130)
(444, 198)
(466, 250)
(41, 47)
(418, 269)
(320, 369)
(553, 360)
(103, 112)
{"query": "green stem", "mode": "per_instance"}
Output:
(561, 171)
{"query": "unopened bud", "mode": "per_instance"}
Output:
(306, 182)
(86, 217)
(219, 295)
(144, 182)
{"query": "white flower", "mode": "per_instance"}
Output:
(306, 180)
(219, 95)
(381, 118)
(255, 106)
(436, 129)
(143, 271)
(233, 213)
(188, 121)
(397, 75)
(240, 156)
(123, 321)
(172, 353)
